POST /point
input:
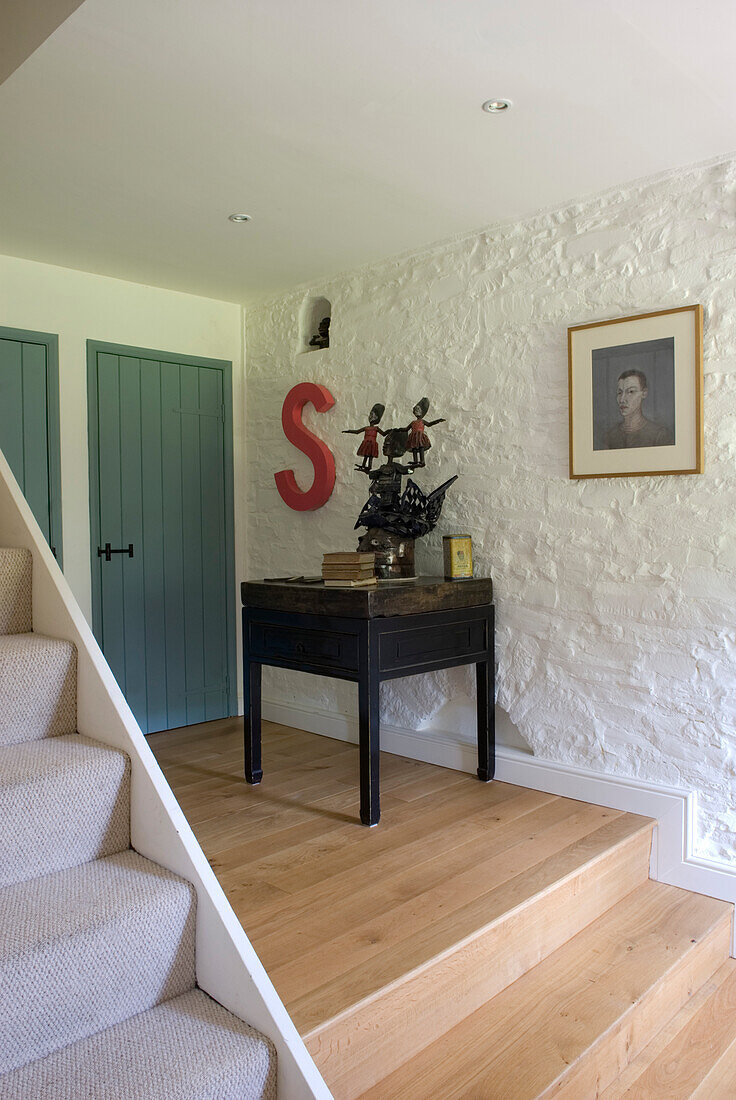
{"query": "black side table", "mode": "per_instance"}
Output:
(368, 635)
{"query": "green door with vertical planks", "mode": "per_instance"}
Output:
(160, 435)
(29, 423)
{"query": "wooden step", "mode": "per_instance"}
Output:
(540, 890)
(380, 940)
(720, 1084)
(694, 1055)
(332, 869)
(569, 1027)
(381, 895)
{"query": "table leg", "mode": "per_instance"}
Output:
(368, 724)
(486, 691)
(252, 721)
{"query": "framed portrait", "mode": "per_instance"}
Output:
(636, 395)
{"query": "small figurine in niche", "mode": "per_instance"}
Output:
(418, 441)
(368, 450)
(322, 339)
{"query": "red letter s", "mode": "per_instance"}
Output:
(316, 451)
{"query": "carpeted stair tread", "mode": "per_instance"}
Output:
(97, 944)
(63, 801)
(87, 947)
(15, 591)
(38, 688)
(189, 1048)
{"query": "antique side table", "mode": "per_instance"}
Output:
(368, 635)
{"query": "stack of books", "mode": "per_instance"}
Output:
(348, 570)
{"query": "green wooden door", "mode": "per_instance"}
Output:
(29, 423)
(161, 480)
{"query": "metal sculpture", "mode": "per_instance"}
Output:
(394, 515)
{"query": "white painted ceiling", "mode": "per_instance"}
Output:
(350, 130)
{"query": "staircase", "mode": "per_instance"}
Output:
(98, 996)
(570, 1025)
(552, 984)
(485, 942)
(577, 978)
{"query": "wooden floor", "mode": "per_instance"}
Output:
(318, 893)
(369, 930)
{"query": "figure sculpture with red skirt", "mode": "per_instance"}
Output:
(394, 515)
(368, 450)
(418, 441)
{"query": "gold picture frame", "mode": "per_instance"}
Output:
(636, 395)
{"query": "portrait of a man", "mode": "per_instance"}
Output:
(636, 394)
(633, 396)
(635, 430)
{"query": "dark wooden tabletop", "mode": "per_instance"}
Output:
(377, 601)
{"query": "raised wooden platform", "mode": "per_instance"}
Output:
(485, 941)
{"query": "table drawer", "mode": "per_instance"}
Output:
(324, 648)
(417, 646)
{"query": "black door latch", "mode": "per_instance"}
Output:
(108, 551)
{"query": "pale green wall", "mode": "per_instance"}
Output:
(78, 307)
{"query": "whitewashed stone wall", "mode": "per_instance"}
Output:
(616, 598)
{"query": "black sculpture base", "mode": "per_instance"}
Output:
(394, 554)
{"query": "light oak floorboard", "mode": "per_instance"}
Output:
(375, 1035)
(569, 1027)
(720, 1084)
(635, 1069)
(426, 876)
(340, 914)
(684, 1054)
(467, 903)
(382, 875)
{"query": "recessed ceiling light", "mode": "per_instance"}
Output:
(238, 217)
(495, 106)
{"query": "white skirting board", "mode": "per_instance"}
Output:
(674, 809)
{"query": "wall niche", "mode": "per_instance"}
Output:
(314, 324)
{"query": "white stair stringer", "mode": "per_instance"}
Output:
(63, 801)
(90, 947)
(116, 940)
(38, 688)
